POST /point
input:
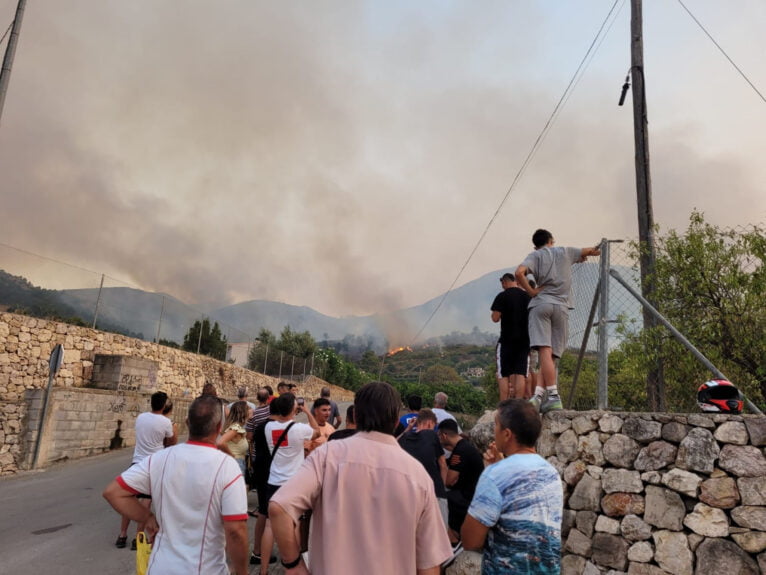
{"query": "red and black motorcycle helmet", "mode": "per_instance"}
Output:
(719, 396)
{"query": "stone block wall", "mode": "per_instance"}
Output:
(654, 494)
(25, 347)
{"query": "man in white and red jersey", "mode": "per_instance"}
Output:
(200, 497)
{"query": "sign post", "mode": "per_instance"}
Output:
(55, 363)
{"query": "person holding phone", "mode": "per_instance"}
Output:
(285, 438)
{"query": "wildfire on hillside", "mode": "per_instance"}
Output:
(397, 350)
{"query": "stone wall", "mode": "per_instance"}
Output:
(25, 347)
(654, 494)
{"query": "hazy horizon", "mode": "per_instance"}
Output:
(346, 156)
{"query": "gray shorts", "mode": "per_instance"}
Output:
(548, 326)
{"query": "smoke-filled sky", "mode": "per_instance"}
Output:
(347, 155)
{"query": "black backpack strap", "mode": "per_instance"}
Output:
(281, 439)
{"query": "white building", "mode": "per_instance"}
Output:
(236, 353)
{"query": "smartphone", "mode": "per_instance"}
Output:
(301, 401)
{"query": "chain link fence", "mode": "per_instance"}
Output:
(701, 315)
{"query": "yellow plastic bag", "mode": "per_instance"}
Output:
(143, 551)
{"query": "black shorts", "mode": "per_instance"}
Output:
(512, 359)
(457, 509)
(263, 502)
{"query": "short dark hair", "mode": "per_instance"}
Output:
(282, 384)
(377, 407)
(158, 400)
(204, 417)
(426, 415)
(522, 419)
(541, 237)
(350, 414)
(285, 404)
(209, 389)
(269, 389)
(168, 407)
(448, 426)
(414, 402)
(325, 392)
(242, 392)
(262, 395)
(508, 277)
(320, 401)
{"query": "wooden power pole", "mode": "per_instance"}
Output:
(654, 382)
(10, 52)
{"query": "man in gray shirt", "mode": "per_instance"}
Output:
(549, 308)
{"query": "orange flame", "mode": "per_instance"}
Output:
(397, 350)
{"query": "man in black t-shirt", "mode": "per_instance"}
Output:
(463, 470)
(512, 351)
(424, 446)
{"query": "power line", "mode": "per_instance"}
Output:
(535, 147)
(6, 31)
(720, 49)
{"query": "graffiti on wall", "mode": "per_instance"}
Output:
(125, 405)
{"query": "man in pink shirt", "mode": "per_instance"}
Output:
(365, 475)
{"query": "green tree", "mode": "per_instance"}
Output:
(370, 363)
(212, 342)
(296, 344)
(439, 374)
(711, 285)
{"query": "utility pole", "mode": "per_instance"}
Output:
(10, 52)
(654, 382)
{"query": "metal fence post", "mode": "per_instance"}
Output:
(265, 359)
(98, 302)
(603, 328)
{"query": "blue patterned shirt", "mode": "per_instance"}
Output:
(520, 499)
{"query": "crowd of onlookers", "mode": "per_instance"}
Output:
(387, 493)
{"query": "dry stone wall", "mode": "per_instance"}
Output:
(655, 494)
(91, 415)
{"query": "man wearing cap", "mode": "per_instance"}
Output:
(512, 350)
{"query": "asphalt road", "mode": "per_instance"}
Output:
(55, 520)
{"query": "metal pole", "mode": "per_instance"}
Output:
(162, 312)
(10, 53)
(311, 372)
(305, 361)
(199, 339)
(98, 301)
(56, 360)
(677, 334)
(583, 346)
(292, 368)
(265, 359)
(281, 356)
(603, 326)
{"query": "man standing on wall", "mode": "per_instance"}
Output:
(515, 515)
(154, 432)
(549, 308)
(200, 498)
(512, 351)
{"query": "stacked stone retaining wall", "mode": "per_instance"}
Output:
(91, 415)
(655, 494)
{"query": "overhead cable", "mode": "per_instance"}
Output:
(720, 49)
(535, 147)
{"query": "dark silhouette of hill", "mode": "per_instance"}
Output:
(464, 315)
